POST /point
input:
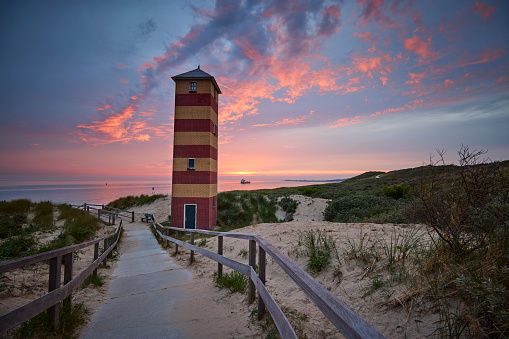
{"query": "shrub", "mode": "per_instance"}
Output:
(9, 227)
(469, 211)
(17, 247)
(397, 191)
(356, 207)
(288, 205)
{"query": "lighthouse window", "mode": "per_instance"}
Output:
(190, 164)
(192, 86)
(213, 128)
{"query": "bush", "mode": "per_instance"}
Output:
(17, 247)
(469, 211)
(397, 191)
(357, 207)
(9, 227)
(288, 205)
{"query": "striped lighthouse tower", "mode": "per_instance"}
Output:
(194, 179)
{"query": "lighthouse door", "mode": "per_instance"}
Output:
(190, 216)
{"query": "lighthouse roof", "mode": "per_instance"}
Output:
(196, 74)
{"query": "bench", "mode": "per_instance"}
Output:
(147, 218)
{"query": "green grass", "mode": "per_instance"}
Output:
(234, 282)
(130, 201)
(17, 247)
(79, 226)
(71, 318)
(319, 248)
(238, 209)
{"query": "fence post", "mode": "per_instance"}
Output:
(55, 270)
(192, 243)
(261, 275)
(252, 263)
(176, 245)
(99, 214)
(105, 248)
(85, 207)
(132, 216)
(220, 252)
(68, 263)
(167, 241)
(96, 255)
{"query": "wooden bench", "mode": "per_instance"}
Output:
(147, 218)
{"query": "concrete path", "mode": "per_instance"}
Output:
(150, 296)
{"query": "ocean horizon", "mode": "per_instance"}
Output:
(101, 192)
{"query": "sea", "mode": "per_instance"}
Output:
(100, 192)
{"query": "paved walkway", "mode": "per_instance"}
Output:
(150, 296)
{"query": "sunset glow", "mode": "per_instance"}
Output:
(310, 89)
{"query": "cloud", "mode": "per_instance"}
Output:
(263, 47)
(288, 121)
(483, 9)
(421, 47)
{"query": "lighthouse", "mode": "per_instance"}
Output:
(194, 179)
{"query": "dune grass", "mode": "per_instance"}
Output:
(130, 201)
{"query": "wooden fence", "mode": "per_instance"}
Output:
(105, 212)
(56, 293)
(345, 320)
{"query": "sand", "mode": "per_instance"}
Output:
(386, 309)
(411, 317)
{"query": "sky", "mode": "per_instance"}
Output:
(310, 89)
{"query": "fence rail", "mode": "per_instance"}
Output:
(56, 294)
(349, 323)
(105, 211)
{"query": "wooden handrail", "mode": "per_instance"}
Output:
(349, 323)
(50, 300)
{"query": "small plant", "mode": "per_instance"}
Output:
(234, 282)
(319, 248)
(243, 253)
(95, 280)
(202, 243)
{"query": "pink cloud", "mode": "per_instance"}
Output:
(383, 80)
(288, 121)
(502, 79)
(484, 9)
(124, 81)
(421, 47)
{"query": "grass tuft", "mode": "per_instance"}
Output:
(234, 282)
